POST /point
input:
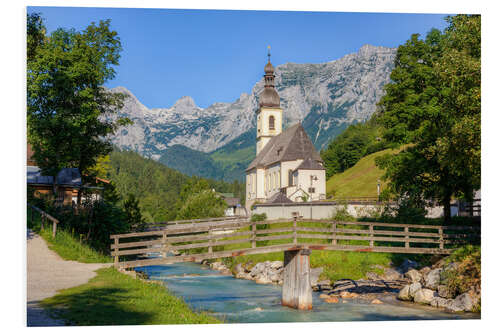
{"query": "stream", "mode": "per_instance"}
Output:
(243, 301)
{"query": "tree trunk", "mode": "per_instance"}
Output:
(447, 209)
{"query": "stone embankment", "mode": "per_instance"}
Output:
(406, 283)
(427, 286)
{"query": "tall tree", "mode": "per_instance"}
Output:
(69, 110)
(434, 106)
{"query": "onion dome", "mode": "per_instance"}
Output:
(269, 97)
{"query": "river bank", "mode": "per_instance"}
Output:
(244, 301)
(425, 286)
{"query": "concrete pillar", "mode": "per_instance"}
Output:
(297, 291)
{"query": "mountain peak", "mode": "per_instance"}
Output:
(185, 102)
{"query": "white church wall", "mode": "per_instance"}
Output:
(288, 165)
(319, 185)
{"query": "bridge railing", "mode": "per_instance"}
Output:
(44, 217)
(159, 225)
(214, 239)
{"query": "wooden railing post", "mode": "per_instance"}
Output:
(441, 239)
(164, 244)
(371, 234)
(42, 221)
(407, 243)
(334, 233)
(54, 229)
(210, 241)
(115, 252)
(32, 215)
(295, 230)
(254, 234)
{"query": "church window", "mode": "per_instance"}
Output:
(271, 122)
(312, 190)
(290, 177)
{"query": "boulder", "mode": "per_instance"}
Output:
(407, 265)
(404, 294)
(346, 294)
(324, 285)
(263, 279)
(332, 299)
(440, 302)
(276, 264)
(413, 275)
(377, 301)
(443, 291)
(433, 278)
(424, 296)
(324, 296)
(372, 276)
(391, 274)
(257, 269)
(425, 270)
(462, 302)
(414, 287)
(239, 269)
(314, 275)
(451, 266)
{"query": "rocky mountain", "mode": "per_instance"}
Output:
(326, 97)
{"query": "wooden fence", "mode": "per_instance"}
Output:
(44, 217)
(216, 239)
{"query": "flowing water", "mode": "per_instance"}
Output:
(242, 301)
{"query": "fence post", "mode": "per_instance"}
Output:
(32, 215)
(407, 243)
(164, 244)
(254, 234)
(42, 221)
(54, 229)
(441, 240)
(295, 230)
(115, 252)
(371, 234)
(210, 241)
(334, 233)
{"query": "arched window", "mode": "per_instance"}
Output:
(271, 122)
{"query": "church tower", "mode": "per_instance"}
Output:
(269, 114)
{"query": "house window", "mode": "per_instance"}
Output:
(290, 177)
(271, 122)
(311, 190)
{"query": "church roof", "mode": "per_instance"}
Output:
(279, 198)
(310, 164)
(292, 144)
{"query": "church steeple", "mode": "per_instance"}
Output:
(269, 114)
(269, 96)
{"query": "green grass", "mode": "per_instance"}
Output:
(66, 245)
(360, 180)
(112, 298)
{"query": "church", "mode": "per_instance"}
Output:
(287, 167)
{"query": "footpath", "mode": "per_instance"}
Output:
(46, 274)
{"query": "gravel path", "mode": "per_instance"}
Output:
(47, 273)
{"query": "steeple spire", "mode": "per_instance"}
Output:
(269, 53)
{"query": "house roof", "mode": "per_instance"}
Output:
(292, 144)
(279, 198)
(310, 164)
(67, 176)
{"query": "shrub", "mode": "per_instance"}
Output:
(467, 275)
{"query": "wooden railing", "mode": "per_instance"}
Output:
(207, 240)
(44, 217)
(159, 225)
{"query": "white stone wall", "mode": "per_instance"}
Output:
(319, 185)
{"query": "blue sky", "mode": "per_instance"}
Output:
(215, 55)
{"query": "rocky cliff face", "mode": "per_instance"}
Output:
(325, 97)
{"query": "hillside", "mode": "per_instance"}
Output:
(359, 180)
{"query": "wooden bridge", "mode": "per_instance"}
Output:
(196, 240)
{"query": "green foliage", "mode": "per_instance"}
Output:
(434, 103)
(467, 275)
(341, 214)
(357, 141)
(66, 98)
(202, 204)
(258, 217)
(113, 298)
(161, 191)
(133, 214)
